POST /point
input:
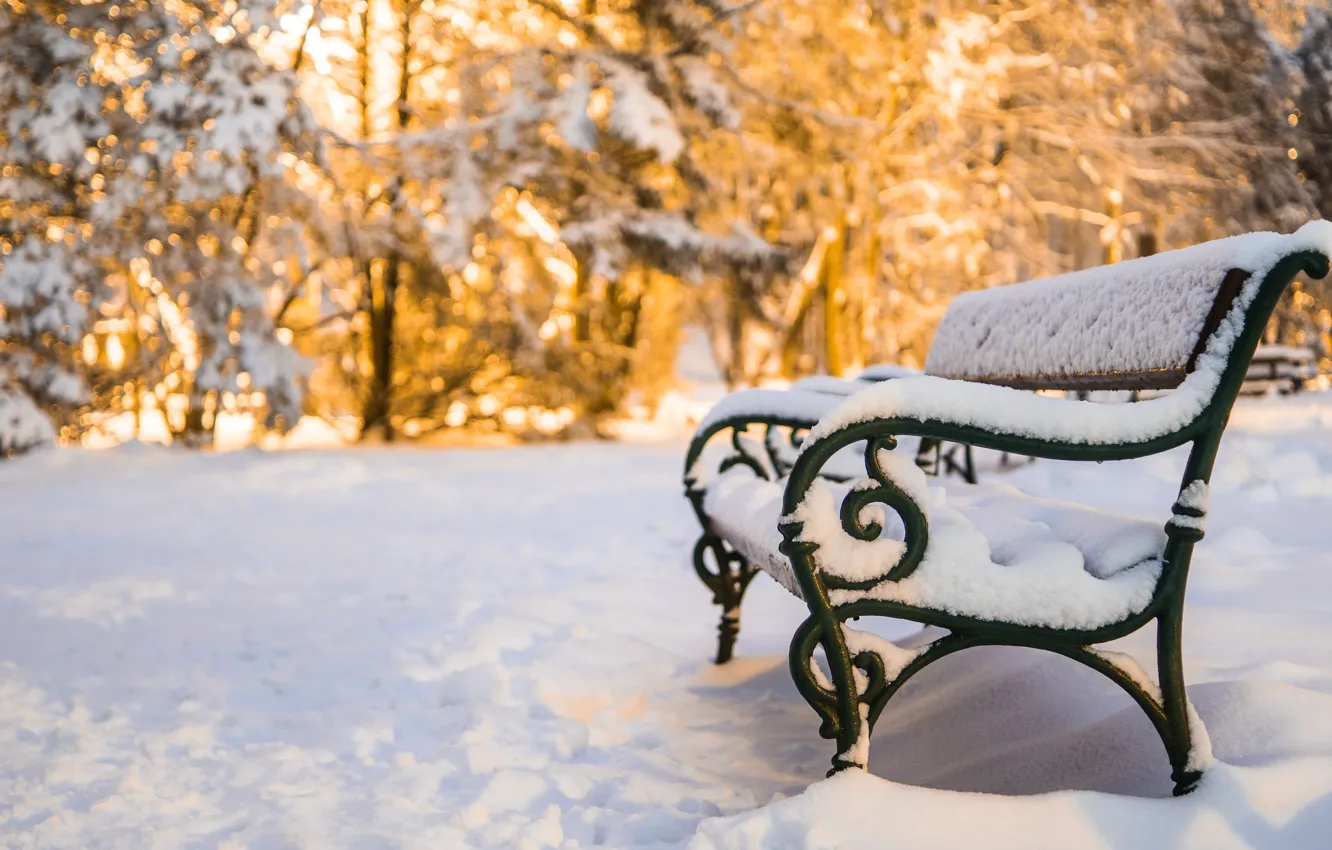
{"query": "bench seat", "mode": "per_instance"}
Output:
(993, 552)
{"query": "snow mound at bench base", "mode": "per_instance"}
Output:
(1285, 805)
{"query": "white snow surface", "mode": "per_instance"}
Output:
(828, 385)
(1004, 410)
(1194, 496)
(467, 649)
(1139, 315)
(806, 406)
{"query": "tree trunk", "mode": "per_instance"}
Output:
(363, 71)
(792, 347)
(383, 313)
(378, 412)
(196, 431)
(734, 370)
(582, 303)
(835, 304)
(1114, 208)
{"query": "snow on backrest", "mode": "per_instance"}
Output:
(1131, 325)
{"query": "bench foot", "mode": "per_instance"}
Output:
(727, 631)
(839, 765)
(727, 579)
(1186, 781)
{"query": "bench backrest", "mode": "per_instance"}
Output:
(1139, 324)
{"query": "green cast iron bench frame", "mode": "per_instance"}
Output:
(731, 575)
(847, 712)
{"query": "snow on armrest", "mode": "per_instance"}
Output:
(793, 407)
(785, 406)
(828, 385)
(887, 372)
(807, 400)
(1142, 323)
(1002, 410)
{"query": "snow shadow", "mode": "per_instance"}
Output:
(1009, 720)
(998, 720)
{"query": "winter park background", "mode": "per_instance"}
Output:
(528, 243)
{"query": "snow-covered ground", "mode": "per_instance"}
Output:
(508, 648)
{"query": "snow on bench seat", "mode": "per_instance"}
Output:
(828, 385)
(993, 552)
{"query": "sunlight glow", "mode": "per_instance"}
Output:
(544, 229)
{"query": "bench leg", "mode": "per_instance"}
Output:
(850, 708)
(835, 698)
(929, 456)
(966, 470)
(864, 672)
(1187, 746)
(1166, 705)
(727, 580)
(935, 460)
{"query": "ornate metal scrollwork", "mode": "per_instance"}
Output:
(860, 683)
(728, 582)
(744, 455)
(879, 488)
(865, 676)
(819, 693)
(783, 445)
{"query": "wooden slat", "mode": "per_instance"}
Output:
(1231, 285)
(1156, 379)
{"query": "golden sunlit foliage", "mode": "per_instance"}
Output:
(499, 214)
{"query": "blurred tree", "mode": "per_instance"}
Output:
(497, 213)
(143, 152)
(49, 277)
(963, 146)
(1308, 321)
(520, 174)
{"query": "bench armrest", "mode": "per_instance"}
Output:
(1017, 420)
(961, 411)
(792, 406)
(795, 408)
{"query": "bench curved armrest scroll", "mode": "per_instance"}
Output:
(1013, 420)
(980, 414)
(794, 409)
(856, 557)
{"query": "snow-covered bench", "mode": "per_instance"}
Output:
(1283, 368)
(984, 562)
